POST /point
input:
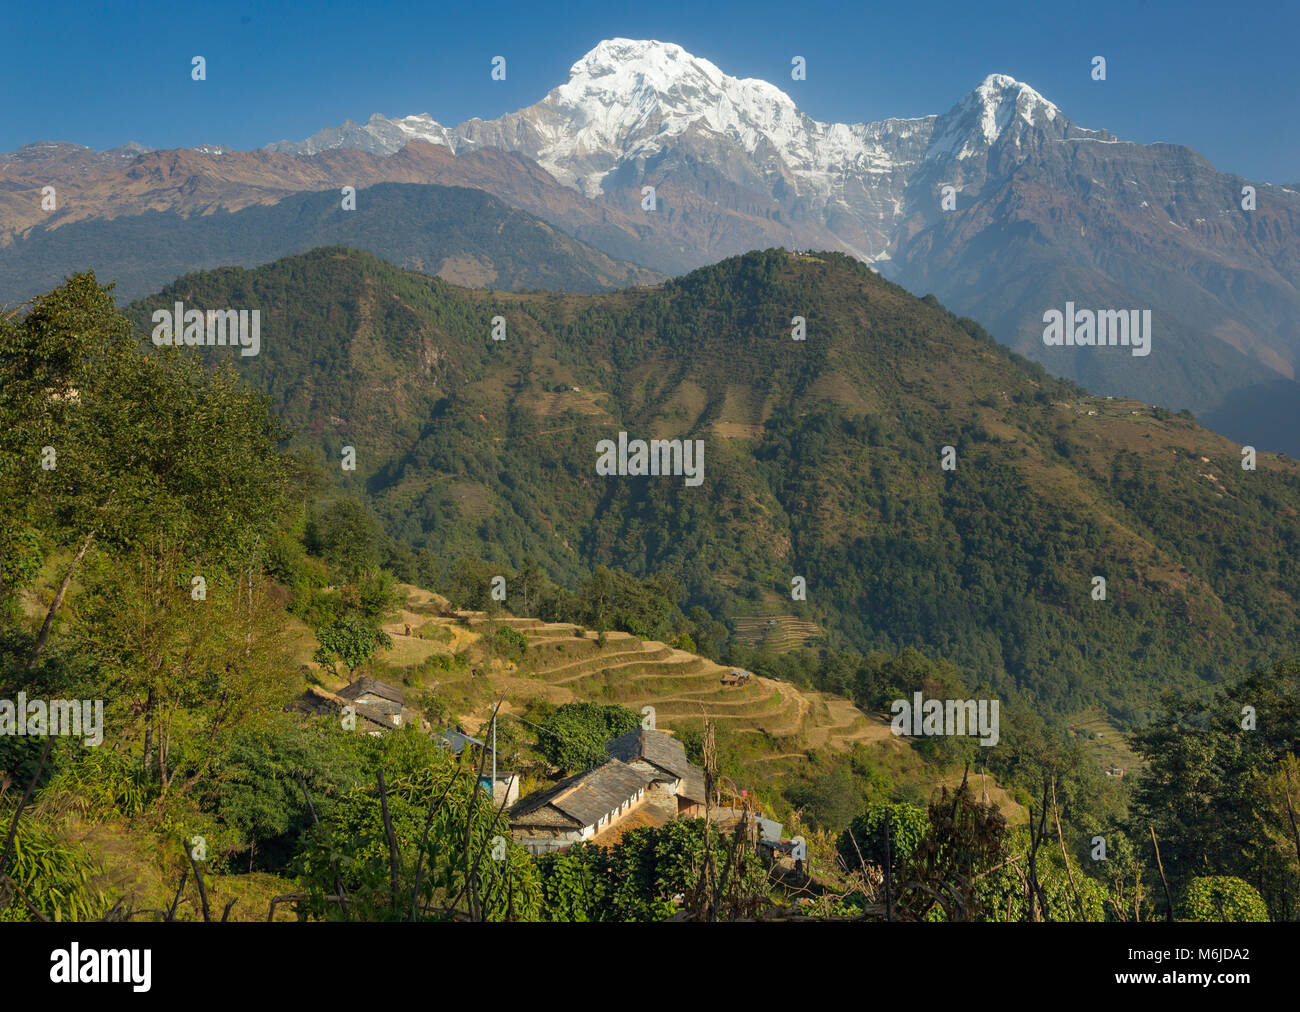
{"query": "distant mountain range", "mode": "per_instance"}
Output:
(91, 186)
(463, 235)
(1044, 212)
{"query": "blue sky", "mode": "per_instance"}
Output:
(1219, 78)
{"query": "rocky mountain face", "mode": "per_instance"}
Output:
(195, 183)
(649, 113)
(1041, 211)
(460, 234)
(732, 160)
(1050, 214)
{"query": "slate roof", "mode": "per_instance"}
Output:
(367, 684)
(319, 701)
(381, 716)
(544, 817)
(692, 788)
(384, 706)
(583, 798)
(655, 747)
(315, 701)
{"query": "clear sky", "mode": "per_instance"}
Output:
(1221, 78)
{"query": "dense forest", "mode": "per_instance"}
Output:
(824, 460)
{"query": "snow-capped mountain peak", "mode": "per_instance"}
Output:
(1000, 95)
(625, 98)
(635, 111)
(977, 122)
(663, 72)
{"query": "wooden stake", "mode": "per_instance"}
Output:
(1159, 864)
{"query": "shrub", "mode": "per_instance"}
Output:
(1222, 898)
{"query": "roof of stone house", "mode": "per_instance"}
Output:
(544, 817)
(380, 705)
(382, 715)
(692, 786)
(315, 700)
(655, 747)
(320, 701)
(367, 685)
(585, 797)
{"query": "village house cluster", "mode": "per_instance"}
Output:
(644, 780)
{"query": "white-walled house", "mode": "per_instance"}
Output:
(578, 808)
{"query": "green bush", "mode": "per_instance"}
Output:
(907, 826)
(54, 876)
(1222, 898)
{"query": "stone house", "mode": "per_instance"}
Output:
(377, 706)
(675, 784)
(579, 807)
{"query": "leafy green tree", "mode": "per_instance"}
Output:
(508, 644)
(1222, 898)
(1279, 818)
(1069, 895)
(180, 675)
(470, 585)
(830, 797)
(164, 485)
(351, 640)
(257, 795)
(532, 585)
(866, 836)
(639, 878)
(574, 737)
(20, 560)
(450, 854)
(1210, 778)
(574, 884)
(348, 536)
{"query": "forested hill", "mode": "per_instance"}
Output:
(465, 235)
(822, 460)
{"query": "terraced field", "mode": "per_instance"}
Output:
(564, 664)
(1104, 740)
(776, 724)
(780, 632)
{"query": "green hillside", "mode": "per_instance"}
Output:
(822, 460)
